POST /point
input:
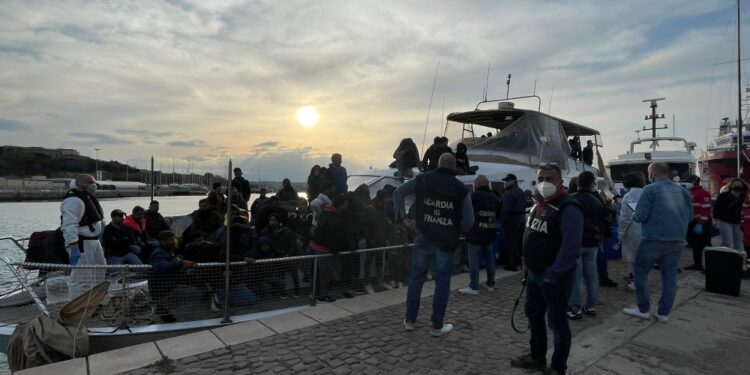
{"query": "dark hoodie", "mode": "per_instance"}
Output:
(462, 160)
(328, 236)
(206, 221)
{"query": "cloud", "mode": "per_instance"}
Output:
(267, 144)
(188, 143)
(98, 138)
(144, 133)
(225, 75)
(11, 125)
(294, 164)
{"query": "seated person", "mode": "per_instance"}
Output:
(137, 222)
(205, 219)
(462, 161)
(240, 250)
(273, 206)
(407, 158)
(265, 278)
(168, 283)
(216, 198)
(283, 241)
(155, 223)
(119, 241)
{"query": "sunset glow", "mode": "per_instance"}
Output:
(308, 116)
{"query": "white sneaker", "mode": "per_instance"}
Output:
(387, 285)
(469, 291)
(409, 326)
(447, 327)
(661, 318)
(369, 289)
(634, 311)
(631, 285)
(489, 288)
(399, 285)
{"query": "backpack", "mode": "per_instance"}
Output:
(46, 247)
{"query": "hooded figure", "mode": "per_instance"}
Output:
(407, 158)
(82, 224)
(462, 161)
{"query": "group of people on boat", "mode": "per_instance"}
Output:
(585, 154)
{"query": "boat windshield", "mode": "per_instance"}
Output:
(531, 139)
(619, 171)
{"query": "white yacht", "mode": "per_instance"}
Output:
(518, 141)
(675, 151)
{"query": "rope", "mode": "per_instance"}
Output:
(515, 306)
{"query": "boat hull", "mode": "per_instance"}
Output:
(718, 167)
(105, 339)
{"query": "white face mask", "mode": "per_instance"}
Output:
(546, 189)
(91, 189)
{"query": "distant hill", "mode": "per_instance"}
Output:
(64, 163)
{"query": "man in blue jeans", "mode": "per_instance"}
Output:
(595, 224)
(551, 245)
(443, 211)
(664, 210)
(481, 235)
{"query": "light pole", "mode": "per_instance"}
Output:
(96, 172)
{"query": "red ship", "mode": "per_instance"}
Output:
(718, 165)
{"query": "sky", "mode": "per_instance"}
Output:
(206, 81)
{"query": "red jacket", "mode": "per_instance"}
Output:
(701, 203)
(137, 226)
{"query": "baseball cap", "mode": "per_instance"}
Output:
(510, 177)
(117, 212)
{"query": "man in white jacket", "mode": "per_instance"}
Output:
(82, 225)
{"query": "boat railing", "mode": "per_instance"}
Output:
(143, 294)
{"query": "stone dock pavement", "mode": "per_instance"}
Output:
(707, 334)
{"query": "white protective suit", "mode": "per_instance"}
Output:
(628, 231)
(82, 279)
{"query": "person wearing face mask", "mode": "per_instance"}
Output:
(728, 214)
(82, 225)
(664, 210)
(551, 246)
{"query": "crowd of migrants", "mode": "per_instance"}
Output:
(338, 220)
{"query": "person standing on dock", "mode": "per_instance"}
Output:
(551, 247)
(443, 212)
(481, 236)
(242, 184)
(82, 225)
(664, 210)
(511, 217)
(699, 229)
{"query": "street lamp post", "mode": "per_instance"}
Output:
(96, 172)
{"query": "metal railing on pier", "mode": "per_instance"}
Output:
(142, 294)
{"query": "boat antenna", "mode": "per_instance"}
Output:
(653, 117)
(429, 107)
(487, 81)
(534, 87)
(552, 94)
(507, 90)
(638, 133)
(739, 96)
(674, 129)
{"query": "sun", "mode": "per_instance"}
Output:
(307, 116)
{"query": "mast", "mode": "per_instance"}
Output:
(739, 96)
(653, 117)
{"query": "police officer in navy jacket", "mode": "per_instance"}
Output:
(443, 211)
(551, 246)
